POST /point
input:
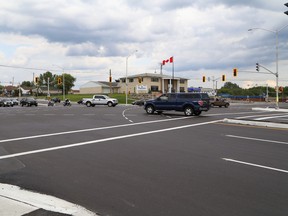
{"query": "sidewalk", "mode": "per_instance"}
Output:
(15, 201)
(262, 123)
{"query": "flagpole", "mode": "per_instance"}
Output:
(173, 72)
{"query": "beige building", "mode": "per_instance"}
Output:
(99, 87)
(140, 83)
(152, 82)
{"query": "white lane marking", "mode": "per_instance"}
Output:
(90, 129)
(271, 117)
(104, 140)
(255, 165)
(49, 203)
(257, 139)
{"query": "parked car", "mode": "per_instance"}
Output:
(138, 102)
(15, 101)
(56, 100)
(28, 102)
(80, 101)
(7, 102)
(219, 102)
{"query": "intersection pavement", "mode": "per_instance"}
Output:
(17, 202)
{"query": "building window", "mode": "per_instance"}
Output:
(182, 89)
(182, 81)
(131, 80)
(154, 79)
(154, 88)
(123, 80)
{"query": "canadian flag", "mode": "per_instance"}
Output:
(168, 60)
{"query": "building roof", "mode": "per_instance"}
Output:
(99, 83)
(153, 75)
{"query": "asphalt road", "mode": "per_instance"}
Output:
(121, 161)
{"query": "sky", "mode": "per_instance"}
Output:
(88, 38)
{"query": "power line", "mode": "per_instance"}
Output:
(27, 68)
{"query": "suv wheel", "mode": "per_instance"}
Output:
(88, 104)
(109, 104)
(150, 109)
(226, 105)
(188, 111)
(197, 113)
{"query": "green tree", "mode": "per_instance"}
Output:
(44, 78)
(68, 82)
(27, 84)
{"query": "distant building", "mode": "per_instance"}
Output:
(140, 83)
(152, 82)
(99, 87)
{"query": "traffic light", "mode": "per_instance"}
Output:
(59, 80)
(286, 12)
(110, 79)
(257, 67)
(139, 79)
(280, 89)
(223, 78)
(203, 79)
(235, 72)
(36, 80)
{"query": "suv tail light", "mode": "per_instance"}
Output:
(200, 102)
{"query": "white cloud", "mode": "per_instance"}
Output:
(89, 37)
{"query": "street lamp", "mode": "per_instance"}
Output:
(127, 75)
(63, 81)
(276, 32)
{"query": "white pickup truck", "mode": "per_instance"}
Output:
(100, 100)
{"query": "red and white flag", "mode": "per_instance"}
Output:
(170, 60)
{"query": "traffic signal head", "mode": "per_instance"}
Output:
(36, 80)
(203, 79)
(139, 79)
(257, 66)
(235, 72)
(110, 79)
(223, 78)
(59, 80)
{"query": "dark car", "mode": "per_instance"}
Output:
(219, 102)
(138, 102)
(80, 101)
(28, 102)
(56, 100)
(15, 101)
(6, 102)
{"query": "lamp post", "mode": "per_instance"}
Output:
(276, 32)
(63, 81)
(127, 75)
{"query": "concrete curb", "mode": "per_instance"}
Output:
(256, 123)
(270, 109)
(20, 201)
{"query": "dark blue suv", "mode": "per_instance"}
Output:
(189, 103)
